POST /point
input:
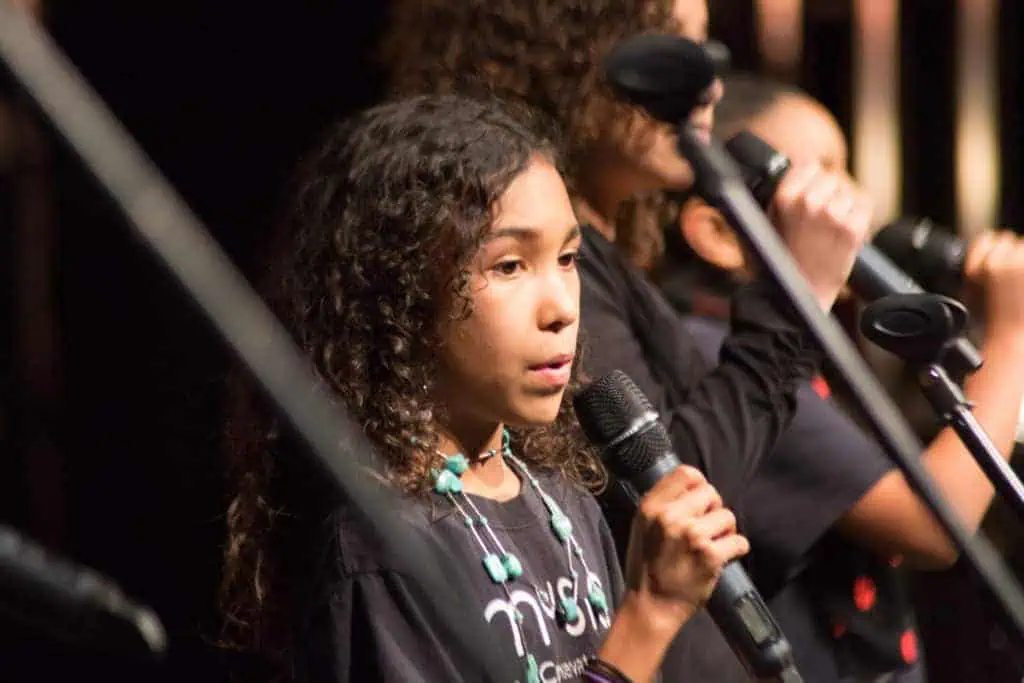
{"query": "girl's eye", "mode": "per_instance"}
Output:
(510, 267)
(569, 259)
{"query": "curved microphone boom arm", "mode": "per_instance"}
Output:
(664, 75)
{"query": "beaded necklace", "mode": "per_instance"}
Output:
(503, 567)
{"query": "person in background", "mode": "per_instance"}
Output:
(847, 511)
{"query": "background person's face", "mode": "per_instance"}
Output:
(647, 150)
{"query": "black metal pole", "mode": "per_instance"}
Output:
(169, 229)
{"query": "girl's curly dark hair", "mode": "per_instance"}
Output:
(387, 216)
(544, 54)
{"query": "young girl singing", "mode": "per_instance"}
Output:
(432, 280)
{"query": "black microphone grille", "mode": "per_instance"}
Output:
(663, 74)
(610, 408)
(636, 454)
(761, 164)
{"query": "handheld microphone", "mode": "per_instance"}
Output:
(874, 276)
(932, 254)
(619, 420)
(911, 244)
(72, 604)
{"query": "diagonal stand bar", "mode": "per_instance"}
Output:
(925, 331)
(166, 226)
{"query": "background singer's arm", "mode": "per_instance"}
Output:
(890, 517)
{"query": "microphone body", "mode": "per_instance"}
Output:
(620, 421)
(931, 254)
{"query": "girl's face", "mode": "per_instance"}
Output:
(510, 360)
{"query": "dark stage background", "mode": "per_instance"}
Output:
(110, 385)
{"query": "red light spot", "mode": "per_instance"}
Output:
(821, 387)
(864, 593)
(908, 646)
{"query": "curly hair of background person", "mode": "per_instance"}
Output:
(544, 55)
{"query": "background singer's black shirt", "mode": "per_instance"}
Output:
(721, 419)
(788, 461)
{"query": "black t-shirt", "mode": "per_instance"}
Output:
(366, 623)
(724, 419)
(821, 466)
(721, 418)
(843, 609)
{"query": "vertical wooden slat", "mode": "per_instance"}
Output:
(977, 128)
(876, 121)
(780, 35)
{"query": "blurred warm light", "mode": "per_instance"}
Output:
(780, 34)
(33, 7)
(876, 116)
(977, 135)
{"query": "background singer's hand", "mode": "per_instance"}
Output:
(825, 220)
(682, 536)
(995, 268)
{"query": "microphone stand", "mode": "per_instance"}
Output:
(166, 225)
(719, 182)
(73, 604)
(925, 330)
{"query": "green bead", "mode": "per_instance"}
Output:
(446, 482)
(512, 565)
(532, 671)
(561, 526)
(567, 611)
(597, 599)
(468, 521)
(456, 464)
(495, 569)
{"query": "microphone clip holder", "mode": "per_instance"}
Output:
(926, 331)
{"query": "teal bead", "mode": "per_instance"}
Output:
(456, 464)
(495, 569)
(532, 670)
(513, 567)
(446, 482)
(561, 526)
(519, 617)
(597, 599)
(567, 611)
(440, 483)
(468, 521)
